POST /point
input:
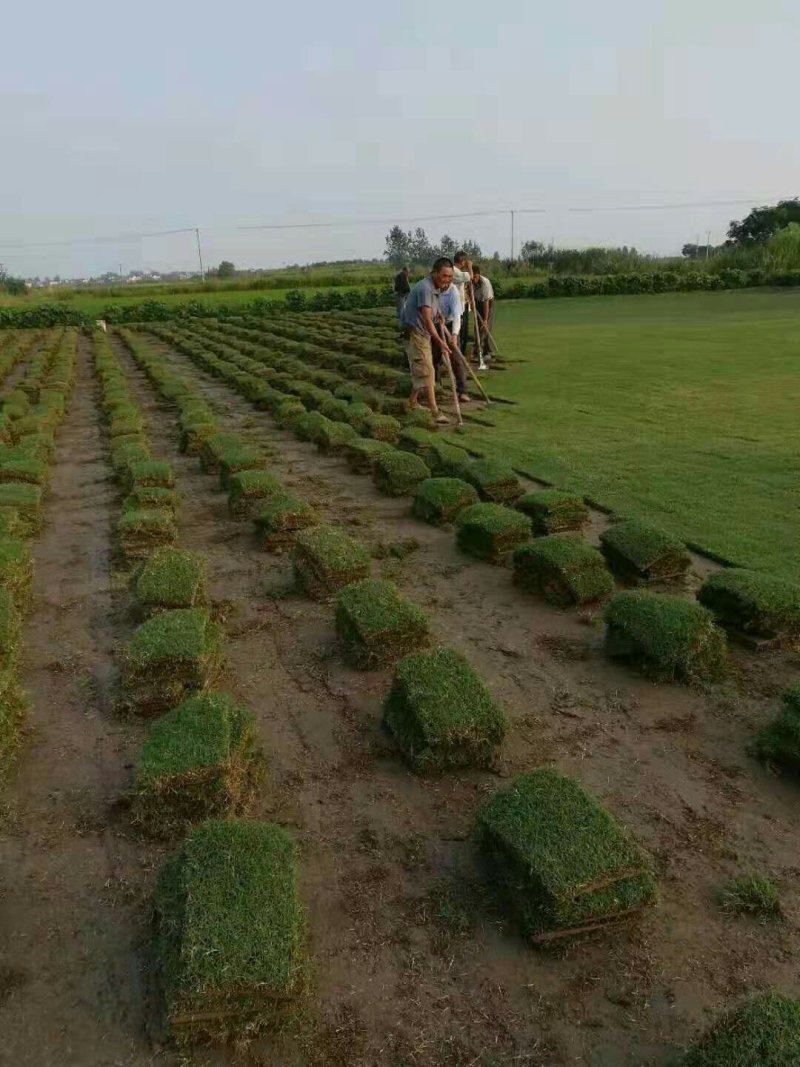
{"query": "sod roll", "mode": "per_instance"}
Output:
(439, 501)
(377, 624)
(552, 511)
(325, 559)
(751, 603)
(491, 531)
(362, 452)
(644, 553)
(170, 578)
(399, 473)
(495, 482)
(280, 518)
(563, 570)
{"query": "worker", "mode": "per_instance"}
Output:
(462, 280)
(452, 311)
(484, 307)
(418, 328)
(401, 290)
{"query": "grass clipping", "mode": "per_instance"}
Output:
(562, 862)
(664, 636)
(441, 714)
(197, 762)
(564, 570)
(644, 553)
(326, 559)
(753, 604)
(229, 930)
(377, 624)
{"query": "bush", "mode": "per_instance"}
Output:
(762, 1032)
(552, 511)
(229, 930)
(441, 714)
(281, 518)
(779, 741)
(399, 473)
(150, 473)
(139, 532)
(489, 531)
(362, 452)
(197, 762)
(377, 624)
(249, 489)
(751, 603)
(16, 572)
(169, 656)
(447, 461)
(564, 570)
(334, 437)
(664, 636)
(440, 500)
(494, 481)
(383, 428)
(561, 861)
(170, 578)
(26, 500)
(637, 551)
(326, 559)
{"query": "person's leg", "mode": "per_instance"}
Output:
(463, 334)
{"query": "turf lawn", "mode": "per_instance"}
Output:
(681, 408)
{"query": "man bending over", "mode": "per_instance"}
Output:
(418, 327)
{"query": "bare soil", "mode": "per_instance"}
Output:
(412, 962)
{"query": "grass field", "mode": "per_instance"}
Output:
(682, 408)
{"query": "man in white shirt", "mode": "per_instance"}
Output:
(462, 277)
(484, 306)
(452, 310)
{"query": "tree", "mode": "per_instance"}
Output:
(226, 269)
(398, 246)
(531, 249)
(783, 248)
(763, 222)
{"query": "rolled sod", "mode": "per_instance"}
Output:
(288, 412)
(753, 604)
(10, 525)
(779, 741)
(445, 460)
(170, 656)
(564, 570)
(552, 511)
(281, 518)
(197, 762)
(229, 930)
(26, 500)
(29, 471)
(361, 453)
(306, 427)
(664, 636)
(383, 428)
(377, 624)
(151, 473)
(16, 572)
(637, 551)
(440, 500)
(560, 861)
(195, 432)
(495, 482)
(151, 498)
(10, 632)
(399, 473)
(248, 490)
(764, 1031)
(139, 532)
(418, 440)
(123, 455)
(335, 409)
(420, 418)
(334, 437)
(123, 425)
(490, 531)
(326, 559)
(214, 447)
(357, 415)
(441, 714)
(170, 578)
(232, 461)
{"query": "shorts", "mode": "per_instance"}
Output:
(420, 358)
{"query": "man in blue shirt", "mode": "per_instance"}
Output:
(418, 327)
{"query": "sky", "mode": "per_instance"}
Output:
(121, 120)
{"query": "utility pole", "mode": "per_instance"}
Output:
(708, 244)
(199, 254)
(120, 272)
(512, 235)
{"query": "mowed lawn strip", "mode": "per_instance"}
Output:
(679, 409)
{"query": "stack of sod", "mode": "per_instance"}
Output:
(779, 741)
(489, 531)
(326, 559)
(243, 458)
(281, 518)
(10, 525)
(334, 437)
(362, 452)
(171, 578)
(26, 500)
(170, 656)
(417, 417)
(229, 930)
(141, 531)
(643, 553)
(288, 412)
(11, 705)
(16, 572)
(21, 469)
(335, 409)
(762, 1032)
(150, 474)
(151, 498)
(383, 428)
(664, 636)
(377, 624)
(447, 461)
(441, 714)
(564, 570)
(248, 490)
(552, 511)
(399, 473)
(306, 427)
(196, 763)
(441, 500)
(214, 447)
(753, 604)
(418, 440)
(494, 481)
(561, 861)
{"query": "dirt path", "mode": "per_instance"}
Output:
(74, 885)
(412, 964)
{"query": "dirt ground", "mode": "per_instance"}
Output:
(412, 964)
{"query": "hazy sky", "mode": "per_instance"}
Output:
(124, 118)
